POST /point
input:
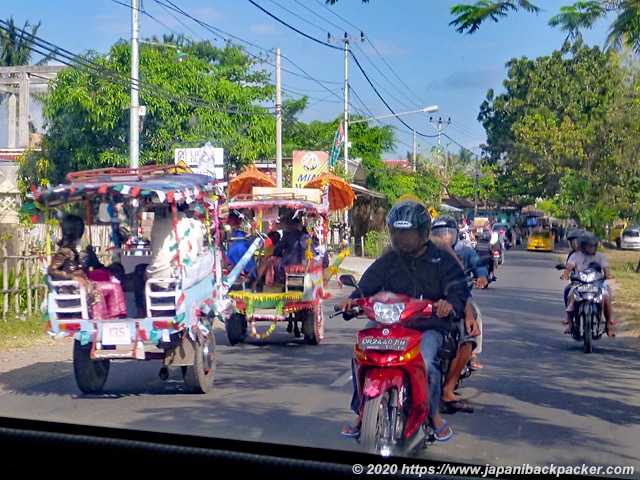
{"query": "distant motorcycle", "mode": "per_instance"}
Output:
(588, 296)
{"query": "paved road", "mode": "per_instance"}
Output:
(539, 399)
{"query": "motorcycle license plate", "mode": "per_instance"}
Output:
(375, 343)
(116, 334)
(588, 288)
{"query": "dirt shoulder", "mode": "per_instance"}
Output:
(54, 358)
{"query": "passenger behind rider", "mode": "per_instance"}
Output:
(417, 267)
(445, 228)
(581, 260)
(573, 237)
(104, 297)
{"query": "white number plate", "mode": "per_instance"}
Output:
(116, 334)
(374, 343)
(588, 288)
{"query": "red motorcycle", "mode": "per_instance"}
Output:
(390, 373)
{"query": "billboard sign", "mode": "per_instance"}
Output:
(207, 160)
(308, 165)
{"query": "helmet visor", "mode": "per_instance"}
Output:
(407, 242)
(447, 234)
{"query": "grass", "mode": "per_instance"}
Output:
(626, 290)
(18, 333)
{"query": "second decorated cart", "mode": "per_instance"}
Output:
(296, 295)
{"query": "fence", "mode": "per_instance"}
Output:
(22, 282)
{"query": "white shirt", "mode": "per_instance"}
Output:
(163, 241)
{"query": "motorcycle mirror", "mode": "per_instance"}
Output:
(349, 280)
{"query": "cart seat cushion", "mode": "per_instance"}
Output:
(295, 269)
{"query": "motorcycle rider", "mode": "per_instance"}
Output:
(446, 229)
(417, 267)
(581, 260)
(497, 243)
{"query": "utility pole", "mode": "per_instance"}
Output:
(346, 41)
(475, 208)
(278, 122)
(439, 127)
(134, 114)
(414, 151)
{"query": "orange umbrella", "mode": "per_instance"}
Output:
(243, 184)
(340, 192)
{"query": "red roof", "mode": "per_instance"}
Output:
(401, 163)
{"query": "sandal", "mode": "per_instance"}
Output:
(351, 431)
(454, 406)
(474, 365)
(441, 430)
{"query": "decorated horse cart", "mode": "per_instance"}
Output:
(293, 293)
(171, 326)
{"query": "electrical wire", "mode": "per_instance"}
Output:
(70, 59)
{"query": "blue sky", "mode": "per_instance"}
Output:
(411, 57)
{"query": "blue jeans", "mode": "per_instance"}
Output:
(429, 347)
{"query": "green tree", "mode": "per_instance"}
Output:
(214, 95)
(550, 121)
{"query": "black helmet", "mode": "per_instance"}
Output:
(575, 233)
(443, 226)
(573, 237)
(589, 243)
(409, 215)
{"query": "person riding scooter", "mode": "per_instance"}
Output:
(581, 260)
(417, 267)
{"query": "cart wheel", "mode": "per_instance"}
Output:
(91, 375)
(313, 324)
(236, 326)
(199, 377)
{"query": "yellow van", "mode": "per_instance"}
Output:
(616, 232)
(541, 239)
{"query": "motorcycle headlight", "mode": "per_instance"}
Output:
(388, 313)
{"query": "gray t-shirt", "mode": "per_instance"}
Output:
(581, 260)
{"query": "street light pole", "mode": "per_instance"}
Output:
(134, 114)
(278, 122)
(432, 108)
(475, 208)
(346, 41)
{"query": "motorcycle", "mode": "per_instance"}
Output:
(497, 251)
(390, 373)
(588, 298)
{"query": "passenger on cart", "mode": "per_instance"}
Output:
(190, 232)
(240, 243)
(104, 296)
